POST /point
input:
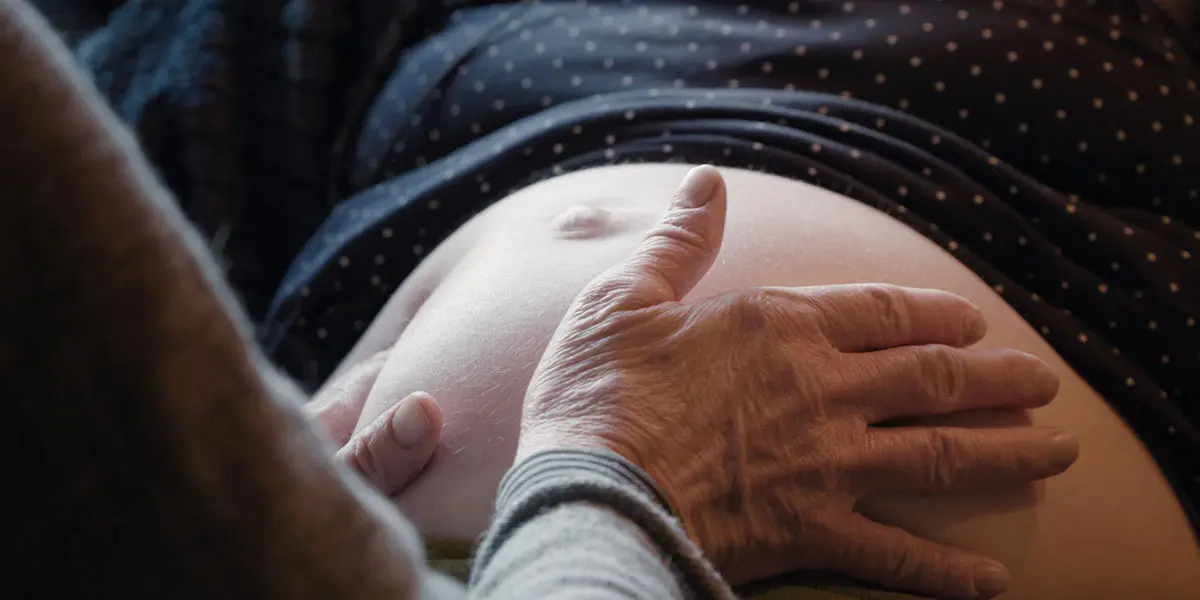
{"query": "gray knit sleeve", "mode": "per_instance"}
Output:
(588, 523)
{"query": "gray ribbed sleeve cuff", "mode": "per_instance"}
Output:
(530, 527)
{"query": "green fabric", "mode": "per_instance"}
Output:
(454, 560)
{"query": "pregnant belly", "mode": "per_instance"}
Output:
(473, 323)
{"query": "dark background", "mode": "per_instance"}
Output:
(74, 18)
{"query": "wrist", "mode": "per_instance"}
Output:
(535, 443)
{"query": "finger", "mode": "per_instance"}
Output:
(896, 559)
(395, 448)
(935, 380)
(337, 406)
(875, 316)
(939, 459)
(680, 249)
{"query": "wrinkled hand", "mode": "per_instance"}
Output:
(755, 411)
(395, 448)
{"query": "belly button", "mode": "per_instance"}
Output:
(581, 222)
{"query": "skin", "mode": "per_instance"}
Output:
(392, 450)
(492, 295)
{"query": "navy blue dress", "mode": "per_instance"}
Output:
(1051, 146)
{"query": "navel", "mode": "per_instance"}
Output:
(582, 222)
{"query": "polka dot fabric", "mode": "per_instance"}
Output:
(1050, 146)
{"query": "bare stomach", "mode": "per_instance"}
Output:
(474, 320)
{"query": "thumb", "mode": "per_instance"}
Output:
(395, 448)
(337, 406)
(684, 244)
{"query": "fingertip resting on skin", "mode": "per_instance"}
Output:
(415, 418)
(699, 187)
(1034, 379)
(977, 325)
(1064, 451)
(991, 580)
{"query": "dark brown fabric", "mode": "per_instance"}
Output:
(151, 451)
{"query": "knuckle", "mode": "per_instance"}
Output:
(814, 313)
(890, 308)
(608, 293)
(945, 460)
(942, 373)
(748, 310)
(604, 289)
(364, 459)
(751, 313)
(681, 233)
(903, 566)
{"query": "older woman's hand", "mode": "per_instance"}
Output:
(395, 448)
(754, 411)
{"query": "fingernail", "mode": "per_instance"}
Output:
(1064, 450)
(698, 187)
(991, 580)
(409, 423)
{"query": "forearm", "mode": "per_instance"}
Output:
(585, 523)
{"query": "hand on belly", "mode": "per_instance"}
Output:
(476, 341)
